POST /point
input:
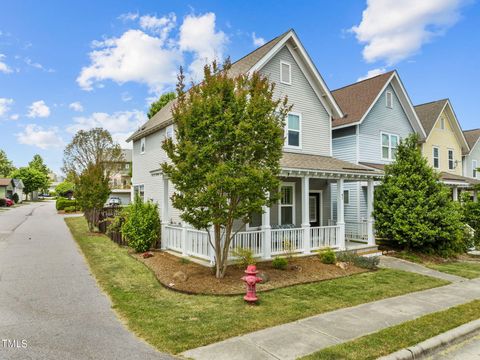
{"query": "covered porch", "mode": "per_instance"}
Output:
(301, 222)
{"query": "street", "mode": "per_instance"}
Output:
(50, 306)
(466, 350)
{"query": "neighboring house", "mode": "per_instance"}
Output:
(445, 144)
(377, 115)
(55, 180)
(471, 161)
(8, 187)
(308, 169)
(121, 178)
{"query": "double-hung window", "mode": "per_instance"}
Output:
(287, 203)
(436, 157)
(139, 190)
(346, 197)
(451, 160)
(389, 146)
(474, 168)
(292, 130)
(142, 146)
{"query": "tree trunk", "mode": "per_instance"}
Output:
(221, 252)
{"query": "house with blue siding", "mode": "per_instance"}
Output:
(377, 115)
(471, 160)
(301, 219)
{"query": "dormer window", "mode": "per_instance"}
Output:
(142, 146)
(292, 130)
(389, 99)
(285, 73)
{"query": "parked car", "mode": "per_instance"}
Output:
(9, 202)
(114, 201)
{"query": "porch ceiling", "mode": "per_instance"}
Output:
(325, 167)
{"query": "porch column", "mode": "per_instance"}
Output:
(370, 235)
(455, 193)
(165, 214)
(475, 195)
(340, 215)
(267, 232)
(306, 214)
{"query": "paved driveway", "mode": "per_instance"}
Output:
(50, 306)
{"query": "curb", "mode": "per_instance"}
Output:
(428, 346)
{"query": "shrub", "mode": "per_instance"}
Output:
(327, 256)
(3, 202)
(142, 225)
(280, 263)
(70, 209)
(413, 208)
(15, 198)
(471, 216)
(370, 262)
(62, 203)
(244, 257)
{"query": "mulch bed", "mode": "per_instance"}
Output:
(201, 279)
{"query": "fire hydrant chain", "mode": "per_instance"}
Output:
(251, 279)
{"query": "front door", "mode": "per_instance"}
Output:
(314, 206)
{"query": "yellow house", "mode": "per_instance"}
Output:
(445, 144)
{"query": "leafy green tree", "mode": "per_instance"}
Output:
(91, 193)
(226, 157)
(471, 216)
(38, 164)
(156, 106)
(141, 227)
(6, 166)
(413, 209)
(33, 179)
(64, 188)
(88, 147)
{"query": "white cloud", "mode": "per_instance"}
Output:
(76, 106)
(372, 73)
(161, 26)
(3, 66)
(14, 117)
(134, 56)
(38, 109)
(257, 41)
(5, 106)
(198, 35)
(38, 136)
(37, 65)
(126, 96)
(394, 30)
(128, 16)
(118, 122)
(121, 138)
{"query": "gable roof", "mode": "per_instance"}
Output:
(472, 137)
(429, 113)
(5, 182)
(356, 100)
(251, 62)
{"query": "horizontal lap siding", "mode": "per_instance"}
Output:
(382, 119)
(351, 210)
(315, 127)
(474, 155)
(345, 148)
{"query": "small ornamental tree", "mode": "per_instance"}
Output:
(65, 188)
(91, 193)
(32, 179)
(226, 153)
(413, 209)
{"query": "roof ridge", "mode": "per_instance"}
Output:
(431, 102)
(364, 80)
(477, 129)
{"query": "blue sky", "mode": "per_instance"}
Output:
(67, 65)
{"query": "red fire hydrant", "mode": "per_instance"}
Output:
(251, 279)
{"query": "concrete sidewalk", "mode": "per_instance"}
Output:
(293, 340)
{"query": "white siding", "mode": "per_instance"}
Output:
(316, 132)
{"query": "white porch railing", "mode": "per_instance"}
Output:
(356, 231)
(281, 240)
(324, 236)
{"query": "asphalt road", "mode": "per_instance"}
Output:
(466, 350)
(50, 305)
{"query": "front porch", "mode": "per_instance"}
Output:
(300, 223)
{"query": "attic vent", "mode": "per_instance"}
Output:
(285, 73)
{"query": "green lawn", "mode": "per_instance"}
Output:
(467, 270)
(175, 322)
(398, 337)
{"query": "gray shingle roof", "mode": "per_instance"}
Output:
(428, 113)
(472, 137)
(356, 99)
(164, 116)
(453, 177)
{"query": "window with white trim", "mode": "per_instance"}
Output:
(389, 99)
(451, 160)
(140, 191)
(436, 157)
(169, 134)
(346, 197)
(285, 73)
(127, 166)
(389, 146)
(142, 146)
(474, 168)
(287, 204)
(292, 130)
